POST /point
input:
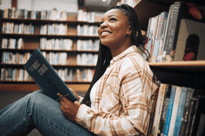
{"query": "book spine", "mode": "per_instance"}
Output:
(163, 116)
(190, 92)
(154, 36)
(153, 105)
(158, 109)
(190, 115)
(169, 111)
(174, 111)
(157, 37)
(180, 111)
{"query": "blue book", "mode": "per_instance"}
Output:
(180, 111)
(46, 77)
(169, 111)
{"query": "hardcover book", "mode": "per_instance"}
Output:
(46, 77)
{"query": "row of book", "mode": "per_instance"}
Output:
(54, 58)
(86, 16)
(87, 30)
(56, 44)
(21, 58)
(52, 14)
(14, 74)
(178, 112)
(87, 59)
(171, 35)
(15, 57)
(10, 27)
(88, 45)
(12, 43)
(20, 13)
(54, 29)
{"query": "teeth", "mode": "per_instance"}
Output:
(104, 33)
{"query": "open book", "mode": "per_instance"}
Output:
(46, 77)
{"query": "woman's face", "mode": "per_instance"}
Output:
(114, 28)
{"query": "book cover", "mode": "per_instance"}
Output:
(190, 115)
(190, 92)
(46, 77)
(169, 110)
(182, 10)
(180, 111)
(198, 111)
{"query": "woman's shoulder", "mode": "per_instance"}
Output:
(134, 58)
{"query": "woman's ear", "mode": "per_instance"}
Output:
(129, 30)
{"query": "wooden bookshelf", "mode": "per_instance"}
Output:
(32, 41)
(182, 73)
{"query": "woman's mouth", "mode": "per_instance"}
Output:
(105, 33)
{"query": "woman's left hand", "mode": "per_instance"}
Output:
(68, 107)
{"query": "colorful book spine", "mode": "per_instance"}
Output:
(169, 110)
(174, 111)
(180, 111)
(190, 93)
(158, 36)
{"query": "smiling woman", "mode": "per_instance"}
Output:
(118, 101)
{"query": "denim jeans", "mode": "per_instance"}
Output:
(37, 110)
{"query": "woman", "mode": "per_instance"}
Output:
(118, 101)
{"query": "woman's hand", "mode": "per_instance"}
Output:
(68, 107)
(76, 95)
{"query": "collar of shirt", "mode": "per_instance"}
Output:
(132, 48)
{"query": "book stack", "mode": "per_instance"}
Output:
(172, 37)
(179, 111)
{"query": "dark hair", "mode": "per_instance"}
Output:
(104, 55)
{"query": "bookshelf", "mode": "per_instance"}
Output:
(185, 74)
(32, 41)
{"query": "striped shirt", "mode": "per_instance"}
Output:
(122, 101)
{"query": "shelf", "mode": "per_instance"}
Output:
(37, 21)
(37, 36)
(55, 66)
(180, 66)
(32, 82)
(182, 73)
(33, 87)
(50, 50)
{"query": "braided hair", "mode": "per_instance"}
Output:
(104, 55)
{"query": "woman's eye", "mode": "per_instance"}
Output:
(113, 19)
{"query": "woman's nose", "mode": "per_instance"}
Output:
(103, 25)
